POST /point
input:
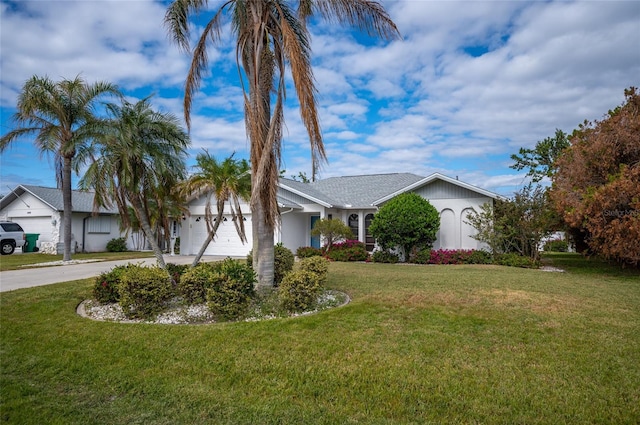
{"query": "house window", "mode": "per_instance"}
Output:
(369, 241)
(353, 225)
(99, 224)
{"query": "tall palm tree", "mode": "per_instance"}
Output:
(227, 181)
(269, 35)
(141, 159)
(62, 115)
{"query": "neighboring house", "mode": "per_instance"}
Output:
(40, 210)
(354, 200)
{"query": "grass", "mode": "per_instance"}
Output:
(417, 344)
(16, 261)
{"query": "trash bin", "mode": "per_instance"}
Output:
(30, 244)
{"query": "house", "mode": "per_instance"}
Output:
(40, 210)
(352, 199)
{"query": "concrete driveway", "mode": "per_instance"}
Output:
(37, 276)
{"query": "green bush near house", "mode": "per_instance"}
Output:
(317, 265)
(350, 250)
(556, 245)
(308, 251)
(282, 262)
(385, 256)
(195, 282)
(117, 245)
(299, 291)
(231, 290)
(105, 288)
(515, 260)
(144, 291)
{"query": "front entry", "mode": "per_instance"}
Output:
(315, 240)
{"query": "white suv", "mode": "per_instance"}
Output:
(11, 236)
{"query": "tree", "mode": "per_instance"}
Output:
(269, 35)
(596, 188)
(541, 160)
(515, 225)
(227, 181)
(62, 115)
(408, 221)
(140, 163)
(332, 230)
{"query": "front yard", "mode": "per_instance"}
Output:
(417, 344)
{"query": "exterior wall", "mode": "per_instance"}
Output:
(454, 233)
(295, 230)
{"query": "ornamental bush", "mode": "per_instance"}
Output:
(176, 271)
(231, 289)
(282, 262)
(308, 251)
(421, 256)
(480, 257)
(556, 245)
(385, 256)
(144, 291)
(515, 260)
(350, 250)
(194, 283)
(105, 288)
(299, 291)
(317, 265)
(117, 245)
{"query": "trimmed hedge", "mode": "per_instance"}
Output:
(144, 291)
(299, 291)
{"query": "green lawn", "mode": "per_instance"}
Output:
(417, 344)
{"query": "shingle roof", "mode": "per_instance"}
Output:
(82, 201)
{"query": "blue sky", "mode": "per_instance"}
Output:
(469, 83)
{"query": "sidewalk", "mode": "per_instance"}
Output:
(38, 276)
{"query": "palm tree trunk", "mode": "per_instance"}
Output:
(146, 229)
(263, 253)
(67, 207)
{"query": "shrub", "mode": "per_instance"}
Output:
(421, 256)
(105, 288)
(194, 282)
(176, 271)
(144, 291)
(556, 245)
(308, 251)
(231, 289)
(117, 245)
(282, 262)
(385, 256)
(317, 265)
(479, 257)
(450, 256)
(299, 291)
(350, 250)
(515, 260)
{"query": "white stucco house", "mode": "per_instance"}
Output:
(354, 200)
(40, 210)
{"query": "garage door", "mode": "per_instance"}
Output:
(40, 225)
(227, 242)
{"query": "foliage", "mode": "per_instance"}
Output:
(228, 182)
(597, 186)
(308, 251)
(282, 262)
(231, 290)
(105, 288)
(408, 221)
(144, 291)
(479, 257)
(541, 161)
(317, 265)
(176, 271)
(117, 245)
(195, 281)
(556, 245)
(331, 230)
(515, 225)
(63, 117)
(299, 290)
(385, 256)
(349, 250)
(421, 256)
(512, 259)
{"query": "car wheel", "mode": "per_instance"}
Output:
(7, 248)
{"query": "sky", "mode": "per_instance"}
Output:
(467, 85)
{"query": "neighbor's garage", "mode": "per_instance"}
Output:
(40, 225)
(226, 243)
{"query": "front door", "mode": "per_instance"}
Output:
(315, 240)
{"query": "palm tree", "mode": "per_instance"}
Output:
(141, 160)
(229, 181)
(62, 115)
(269, 35)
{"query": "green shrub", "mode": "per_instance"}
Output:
(308, 251)
(299, 291)
(195, 281)
(231, 289)
(479, 257)
(385, 256)
(515, 260)
(176, 271)
(421, 256)
(117, 245)
(282, 262)
(144, 291)
(556, 245)
(317, 265)
(105, 288)
(351, 250)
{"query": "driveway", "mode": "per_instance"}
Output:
(38, 276)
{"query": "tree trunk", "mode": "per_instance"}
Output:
(263, 252)
(67, 207)
(146, 229)
(210, 237)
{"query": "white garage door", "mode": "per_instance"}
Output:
(40, 225)
(227, 242)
